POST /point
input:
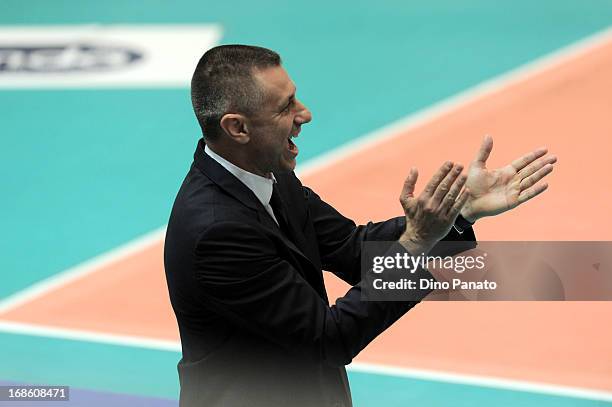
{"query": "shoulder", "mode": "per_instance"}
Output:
(200, 203)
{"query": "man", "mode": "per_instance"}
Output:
(246, 243)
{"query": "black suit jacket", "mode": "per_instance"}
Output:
(255, 323)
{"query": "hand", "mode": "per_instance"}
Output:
(495, 191)
(430, 216)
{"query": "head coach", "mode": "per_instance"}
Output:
(247, 242)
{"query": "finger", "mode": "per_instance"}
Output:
(445, 186)
(409, 184)
(538, 175)
(532, 192)
(433, 183)
(536, 166)
(528, 158)
(484, 151)
(459, 203)
(451, 197)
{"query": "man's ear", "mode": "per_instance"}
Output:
(235, 126)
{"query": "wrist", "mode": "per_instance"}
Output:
(468, 215)
(415, 245)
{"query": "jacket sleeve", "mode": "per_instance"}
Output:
(243, 279)
(340, 240)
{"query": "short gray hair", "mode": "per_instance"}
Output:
(223, 82)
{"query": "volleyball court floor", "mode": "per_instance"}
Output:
(105, 327)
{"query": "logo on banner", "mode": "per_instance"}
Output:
(66, 58)
(103, 56)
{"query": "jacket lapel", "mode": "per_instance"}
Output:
(295, 229)
(315, 279)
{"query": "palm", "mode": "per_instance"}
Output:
(493, 191)
(496, 191)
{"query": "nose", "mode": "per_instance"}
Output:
(303, 115)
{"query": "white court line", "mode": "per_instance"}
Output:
(373, 368)
(482, 381)
(396, 129)
(65, 277)
(21, 328)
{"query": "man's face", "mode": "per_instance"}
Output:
(277, 122)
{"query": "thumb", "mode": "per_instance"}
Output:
(409, 183)
(484, 151)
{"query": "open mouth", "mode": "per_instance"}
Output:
(293, 149)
